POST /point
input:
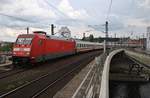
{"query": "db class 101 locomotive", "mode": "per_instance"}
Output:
(39, 47)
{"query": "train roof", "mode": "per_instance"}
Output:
(58, 38)
(86, 42)
(26, 35)
(52, 36)
(44, 35)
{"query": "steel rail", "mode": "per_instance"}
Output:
(6, 74)
(38, 79)
(57, 80)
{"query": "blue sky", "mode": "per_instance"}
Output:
(126, 16)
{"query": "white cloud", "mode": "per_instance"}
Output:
(78, 33)
(27, 8)
(67, 9)
(136, 22)
(8, 34)
(123, 14)
(144, 3)
(38, 11)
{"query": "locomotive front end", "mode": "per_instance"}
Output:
(22, 49)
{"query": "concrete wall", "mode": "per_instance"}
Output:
(104, 90)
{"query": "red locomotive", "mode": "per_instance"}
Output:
(38, 47)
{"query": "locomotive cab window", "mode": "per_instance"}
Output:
(24, 41)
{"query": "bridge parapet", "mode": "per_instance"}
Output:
(104, 89)
(95, 83)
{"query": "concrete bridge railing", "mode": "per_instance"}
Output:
(104, 88)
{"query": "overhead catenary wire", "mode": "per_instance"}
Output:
(60, 13)
(56, 9)
(14, 17)
(107, 14)
(29, 23)
(32, 22)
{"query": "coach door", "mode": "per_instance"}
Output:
(41, 49)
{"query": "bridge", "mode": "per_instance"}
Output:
(119, 67)
(109, 75)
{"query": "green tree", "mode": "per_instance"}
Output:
(91, 38)
(7, 47)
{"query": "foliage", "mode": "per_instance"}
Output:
(6, 48)
(91, 38)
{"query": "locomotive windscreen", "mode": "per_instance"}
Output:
(24, 41)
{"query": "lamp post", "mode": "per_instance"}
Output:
(27, 30)
(52, 29)
(106, 37)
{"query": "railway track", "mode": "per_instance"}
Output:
(41, 84)
(6, 68)
(139, 63)
(3, 71)
(12, 72)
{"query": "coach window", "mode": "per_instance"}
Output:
(77, 45)
(40, 42)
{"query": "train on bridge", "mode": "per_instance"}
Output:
(39, 47)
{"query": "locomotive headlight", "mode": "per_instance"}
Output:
(16, 49)
(27, 53)
(26, 49)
